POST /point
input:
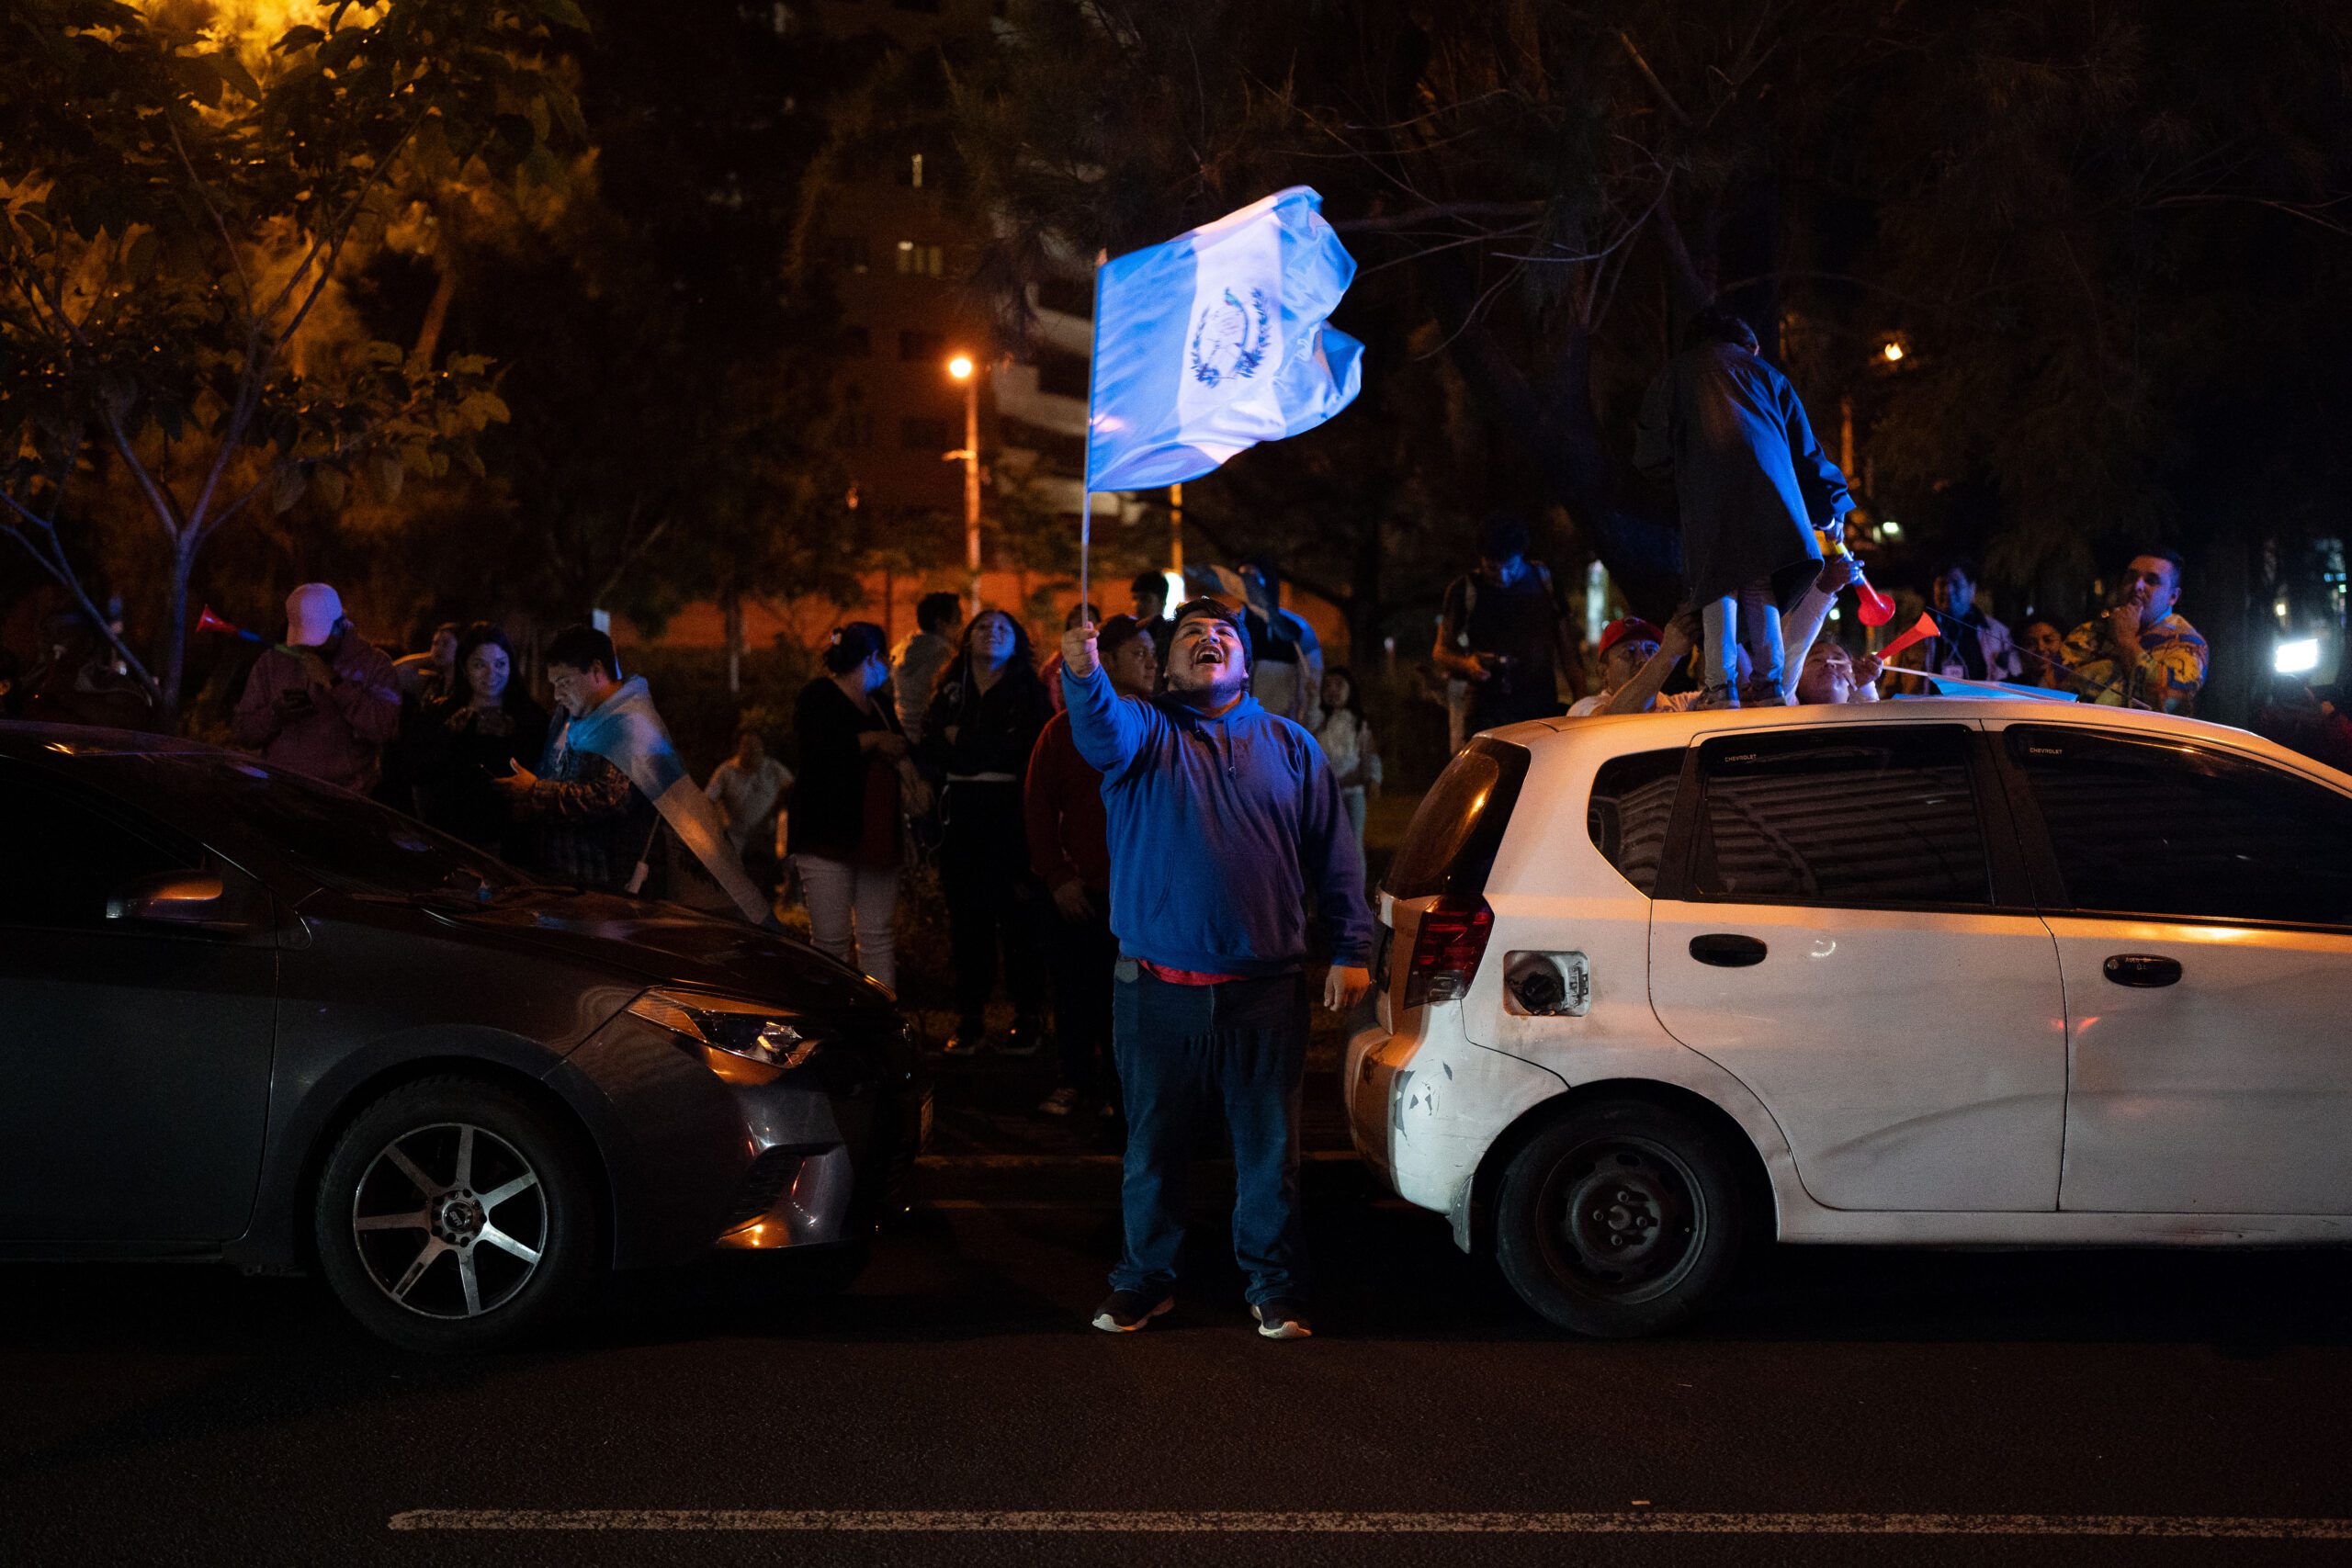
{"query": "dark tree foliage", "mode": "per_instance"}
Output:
(668, 379)
(2112, 240)
(181, 207)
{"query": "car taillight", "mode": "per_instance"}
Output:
(1447, 946)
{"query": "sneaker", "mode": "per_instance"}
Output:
(1062, 1102)
(1715, 697)
(1282, 1320)
(1123, 1312)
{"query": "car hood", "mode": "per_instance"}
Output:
(667, 943)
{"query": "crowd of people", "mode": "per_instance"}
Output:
(1762, 512)
(966, 736)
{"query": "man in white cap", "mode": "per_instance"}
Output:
(323, 701)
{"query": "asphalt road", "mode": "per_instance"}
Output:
(170, 1416)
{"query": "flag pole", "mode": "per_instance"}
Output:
(1086, 470)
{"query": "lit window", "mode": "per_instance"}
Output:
(920, 260)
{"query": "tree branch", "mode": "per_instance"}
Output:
(1438, 210)
(1651, 77)
(204, 194)
(167, 511)
(342, 231)
(62, 570)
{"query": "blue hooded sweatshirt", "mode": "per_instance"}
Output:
(1218, 828)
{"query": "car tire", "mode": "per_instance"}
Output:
(1620, 1218)
(500, 1240)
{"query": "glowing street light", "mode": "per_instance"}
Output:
(963, 367)
(1893, 352)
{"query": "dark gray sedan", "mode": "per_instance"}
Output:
(247, 1016)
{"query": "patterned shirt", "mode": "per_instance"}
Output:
(590, 824)
(2170, 670)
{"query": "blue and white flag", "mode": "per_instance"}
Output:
(1216, 340)
(625, 731)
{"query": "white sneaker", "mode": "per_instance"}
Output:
(1062, 1102)
(1282, 1320)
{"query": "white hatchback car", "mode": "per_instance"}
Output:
(1925, 971)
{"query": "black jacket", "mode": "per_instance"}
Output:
(995, 729)
(828, 793)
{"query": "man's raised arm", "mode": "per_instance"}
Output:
(1108, 728)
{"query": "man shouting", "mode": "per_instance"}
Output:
(1221, 818)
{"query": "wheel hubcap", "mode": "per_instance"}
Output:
(450, 1220)
(1627, 1218)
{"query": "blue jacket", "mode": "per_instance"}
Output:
(1218, 828)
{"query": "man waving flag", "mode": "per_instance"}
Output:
(1216, 340)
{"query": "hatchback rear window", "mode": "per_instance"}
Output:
(1450, 845)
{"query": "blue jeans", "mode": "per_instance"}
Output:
(1188, 1052)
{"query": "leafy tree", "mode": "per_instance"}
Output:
(668, 372)
(182, 208)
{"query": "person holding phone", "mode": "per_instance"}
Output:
(323, 701)
(478, 732)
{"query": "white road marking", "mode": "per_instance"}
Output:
(921, 1521)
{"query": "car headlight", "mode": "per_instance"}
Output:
(747, 1031)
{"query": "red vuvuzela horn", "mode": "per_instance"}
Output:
(209, 622)
(1920, 632)
(1871, 607)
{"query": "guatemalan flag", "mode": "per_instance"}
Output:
(1216, 340)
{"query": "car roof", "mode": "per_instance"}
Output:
(21, 739)
(1615, 733)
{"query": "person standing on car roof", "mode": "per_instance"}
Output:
(1752, 486)
(1221, 818)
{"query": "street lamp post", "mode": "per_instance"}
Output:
(962, 368)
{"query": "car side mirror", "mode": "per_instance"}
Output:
(181, 898)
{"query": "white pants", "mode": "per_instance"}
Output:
(1352, 798)
(852, 910)
(1753, 617)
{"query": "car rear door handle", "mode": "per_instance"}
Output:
(1726, 950)
(2142, 970)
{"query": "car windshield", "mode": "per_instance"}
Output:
(340, 840)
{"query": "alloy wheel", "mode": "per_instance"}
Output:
(450, 1220)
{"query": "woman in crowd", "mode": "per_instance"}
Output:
(478, 730)
(1350, 746)
(985, 717)
(857, 781)
(2044, 648)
